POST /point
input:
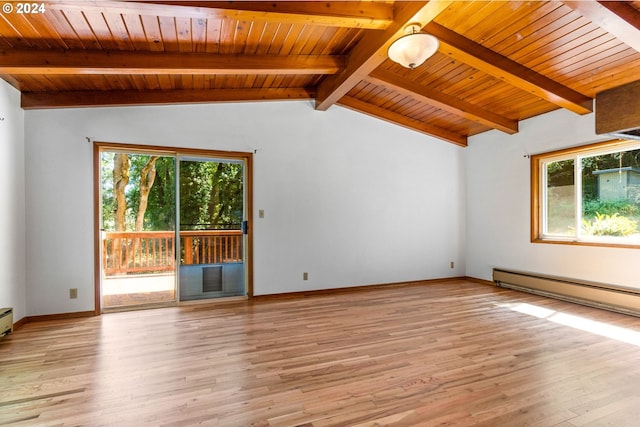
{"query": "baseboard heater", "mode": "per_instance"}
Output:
(6, 321)
(610, 297)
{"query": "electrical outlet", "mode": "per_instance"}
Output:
(73, 293)
(305, 276)
(451, 264)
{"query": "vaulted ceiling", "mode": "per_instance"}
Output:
(499, 62)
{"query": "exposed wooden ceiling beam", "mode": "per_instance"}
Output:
(368, 15)
(483, 59)
(11, 80)
(353, 14)
(371, 51)
(619, 18)
(399, 119)
(41, 100)
(442, 101)
(28, 61)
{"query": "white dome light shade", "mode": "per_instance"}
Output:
(413, 49)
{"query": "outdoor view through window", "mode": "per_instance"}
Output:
(145, 257)
(589, 194)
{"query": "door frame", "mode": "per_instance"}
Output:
(245, 157)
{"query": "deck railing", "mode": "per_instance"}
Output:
(210, 246)
(154, 251)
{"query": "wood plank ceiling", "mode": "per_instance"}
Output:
(499, 62)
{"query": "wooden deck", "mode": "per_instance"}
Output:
(126, 291)
(453, 353)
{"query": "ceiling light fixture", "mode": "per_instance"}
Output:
(412, 49)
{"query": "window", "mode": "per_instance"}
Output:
(587, 195)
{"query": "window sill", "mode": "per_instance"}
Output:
(603, 244)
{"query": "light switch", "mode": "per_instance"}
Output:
(261, 213)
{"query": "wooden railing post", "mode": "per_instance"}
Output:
(188, 250)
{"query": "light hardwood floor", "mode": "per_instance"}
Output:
(453, 353)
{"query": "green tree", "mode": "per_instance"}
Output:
(161, 212)
(210, 195)
(138, 193)
(121, 167)
(108, 196)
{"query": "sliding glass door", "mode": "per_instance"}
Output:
(144, 258)
(212, 215)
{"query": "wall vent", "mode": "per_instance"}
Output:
(610, 297)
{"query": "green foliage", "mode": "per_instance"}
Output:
(108, 197)
(589, 186)
(609, 225)
(609, 207)
(560, 173)
(211, 194)
(161, 212)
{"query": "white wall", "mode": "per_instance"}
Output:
(498, 206)
(12, 225)
(349, 199)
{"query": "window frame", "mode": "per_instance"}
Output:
(538, 191)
